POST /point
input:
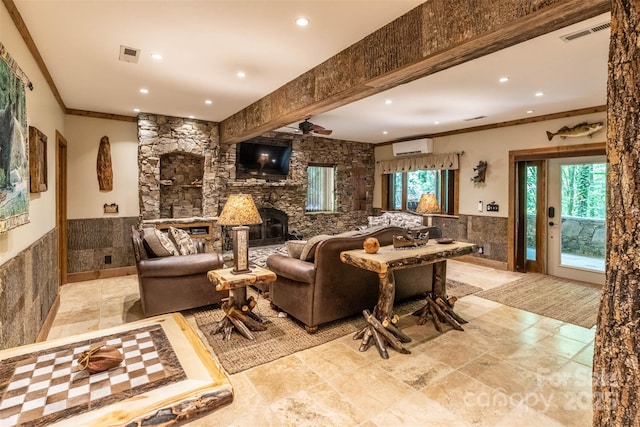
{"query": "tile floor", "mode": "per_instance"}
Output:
(509, 368)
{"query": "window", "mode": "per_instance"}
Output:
(321, 188)
(405, 189)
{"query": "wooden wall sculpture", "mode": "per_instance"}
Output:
(105, 172)
(37, 161)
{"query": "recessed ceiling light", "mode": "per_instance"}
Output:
(539, 93)
(302, 22)
(156, 56)
(529, 111)
(385, 132)
(136, 110)
(208, 101)
(436, 122)
(191, 117)
(241, 74)
(504, 79)
(143, 90)
(388, 101)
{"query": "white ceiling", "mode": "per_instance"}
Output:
(204, 44)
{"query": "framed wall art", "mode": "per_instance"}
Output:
(14, 153)
(37, 160)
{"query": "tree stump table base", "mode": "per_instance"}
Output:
(244, 320)
(238, 309)
(441, 311)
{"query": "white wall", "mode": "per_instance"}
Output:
(493, 146)
(85, 200)
(44, 113)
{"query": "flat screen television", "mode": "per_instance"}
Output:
(263, 158)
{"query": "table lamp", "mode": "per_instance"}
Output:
(428, 204)
(239, 212)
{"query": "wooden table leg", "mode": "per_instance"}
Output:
(438, 305)
(239, 316)
(381, 329)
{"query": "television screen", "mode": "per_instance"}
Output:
(263, 158)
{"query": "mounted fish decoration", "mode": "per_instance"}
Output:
(581, 129)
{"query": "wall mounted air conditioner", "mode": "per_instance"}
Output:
(417, 146)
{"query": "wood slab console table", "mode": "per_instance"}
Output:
(238, 309)
(381, 329)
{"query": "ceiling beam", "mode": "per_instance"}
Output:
(434, 36)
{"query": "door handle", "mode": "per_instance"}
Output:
(552, 223)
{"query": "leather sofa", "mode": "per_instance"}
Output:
(174, 283)
(326, 289)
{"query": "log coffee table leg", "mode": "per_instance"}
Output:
(438, 306)
(381, 330)
(239, 316)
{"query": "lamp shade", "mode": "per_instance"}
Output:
(239, 210)
(428, 204)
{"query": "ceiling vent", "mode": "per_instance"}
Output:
(586, 31)
(129, 54)
(417, 146)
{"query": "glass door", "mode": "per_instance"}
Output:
(576, 227)
(531, 246)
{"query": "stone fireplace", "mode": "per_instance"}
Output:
(177, 162)
(186, 176)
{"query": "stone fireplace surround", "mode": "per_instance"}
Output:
(160, 136)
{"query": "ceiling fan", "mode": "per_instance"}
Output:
(308, 128)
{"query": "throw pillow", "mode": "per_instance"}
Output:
(183, 241)
(309, 249)
(158, 243)
(294, 247)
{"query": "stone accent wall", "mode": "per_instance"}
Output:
(90, 240)
(490, 232)
(160, 135)
(28, 289)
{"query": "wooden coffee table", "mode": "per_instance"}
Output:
(238, 308)
(167, 376)
(381, 329)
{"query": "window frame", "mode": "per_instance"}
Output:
(334, 169)
(449, 191)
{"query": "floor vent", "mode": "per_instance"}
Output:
(586, 31)
(129, 54)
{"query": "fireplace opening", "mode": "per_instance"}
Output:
(273, 230)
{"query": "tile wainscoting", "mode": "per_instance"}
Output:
(28, 290)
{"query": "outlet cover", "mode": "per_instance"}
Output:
(107, 259)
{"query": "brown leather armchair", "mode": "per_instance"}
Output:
(326, 289)
(174, 283)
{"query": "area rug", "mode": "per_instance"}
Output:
(562, 299)
(285, 335)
